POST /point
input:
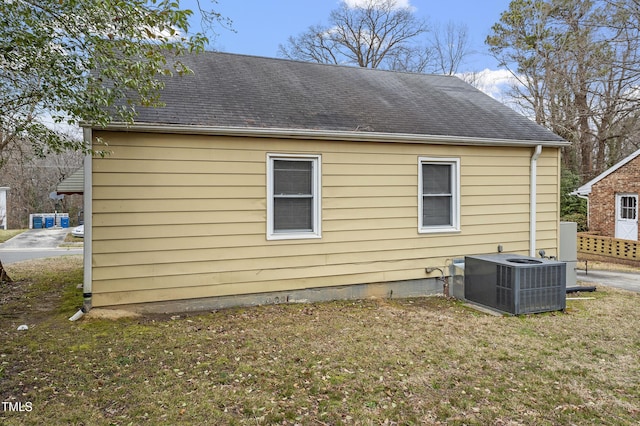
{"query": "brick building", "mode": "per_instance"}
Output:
(613, 199)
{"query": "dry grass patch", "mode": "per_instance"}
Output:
(602, 263)
(417, 361)
(69, 238)
(6, 234)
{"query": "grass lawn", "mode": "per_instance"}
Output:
(71, 241)
(417, 361)
(9, 233)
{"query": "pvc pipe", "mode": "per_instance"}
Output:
(77, 315)
(577, 289)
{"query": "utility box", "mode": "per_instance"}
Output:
(515, 284)
(569, 250)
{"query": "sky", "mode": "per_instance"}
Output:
(260, 26)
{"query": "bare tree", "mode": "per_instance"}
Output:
(578, 67)
(32, 178)
(374, 34)
(381, 34)
(450, 46)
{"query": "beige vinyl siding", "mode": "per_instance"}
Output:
(177, 216)
(548, 208)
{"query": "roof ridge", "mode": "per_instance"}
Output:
(343, 66)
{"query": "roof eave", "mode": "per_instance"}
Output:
(324, 135)
(583, 191)
(70, 192)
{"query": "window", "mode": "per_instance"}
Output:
(439, 195)
(293, 191)
(628, 207)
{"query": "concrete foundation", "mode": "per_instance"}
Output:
(389, 290)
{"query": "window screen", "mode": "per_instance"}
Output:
(628, 207)
(437, 195)
(293, 195)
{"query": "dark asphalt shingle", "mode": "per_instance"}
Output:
(229, 90)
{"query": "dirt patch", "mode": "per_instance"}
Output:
(11, 291)
(40, 287)
(110, 314)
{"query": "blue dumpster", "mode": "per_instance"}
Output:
(64, 222)
(48, 222)
(37, 222)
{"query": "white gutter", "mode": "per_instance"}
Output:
(323, 135)
(88, 210)
(533, 200)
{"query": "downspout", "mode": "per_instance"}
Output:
(586, 197)
(88, 213)
(533, 200)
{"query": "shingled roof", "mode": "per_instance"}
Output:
(248, 92)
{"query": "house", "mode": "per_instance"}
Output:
(266, 180)
(613, 199)
(73, 184)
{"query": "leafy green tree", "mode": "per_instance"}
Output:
(76, 61)
(572, 208)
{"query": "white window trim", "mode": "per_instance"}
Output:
(317, 198)
(455, 185)
(619, 197)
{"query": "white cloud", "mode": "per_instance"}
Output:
(171, 34)
(60, 127)
(497, 84)
(494, 83)
(398, 4)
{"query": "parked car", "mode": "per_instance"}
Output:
(78, 231)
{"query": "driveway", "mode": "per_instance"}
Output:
(624, 280)
(36, 243)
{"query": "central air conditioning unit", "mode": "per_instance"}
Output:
(515, 284)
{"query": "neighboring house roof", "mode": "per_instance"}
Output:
(229, 91)
(585, 189)
(74, 184)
